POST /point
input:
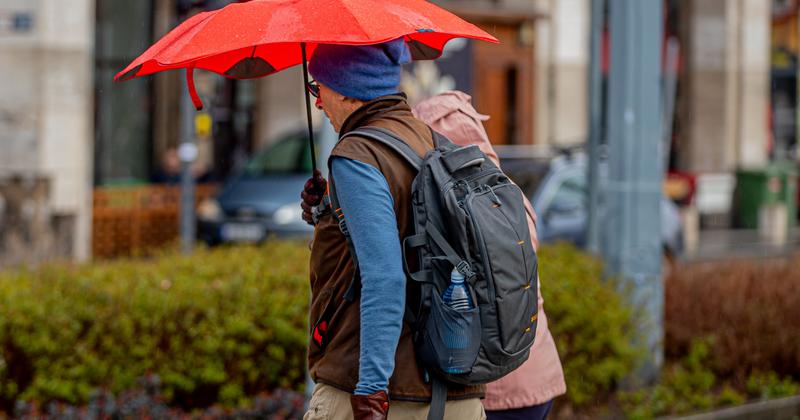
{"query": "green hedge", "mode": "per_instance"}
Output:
(218, 326)
(591, 322)
(225, 324)
(690, 385)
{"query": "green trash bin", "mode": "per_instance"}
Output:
(774, 184)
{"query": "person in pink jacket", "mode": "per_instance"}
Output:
(528, 392)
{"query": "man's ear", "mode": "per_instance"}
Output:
(353, 102)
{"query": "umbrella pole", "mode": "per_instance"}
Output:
(308, 109)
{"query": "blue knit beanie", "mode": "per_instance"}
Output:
(363, 72)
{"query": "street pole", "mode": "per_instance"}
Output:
(595, 124)
(671, 57)
(631, 230)
(188, 154)
(797, 106)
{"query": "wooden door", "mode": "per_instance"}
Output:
(504, 84)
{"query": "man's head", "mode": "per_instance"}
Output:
(171, 162)
(350, 75)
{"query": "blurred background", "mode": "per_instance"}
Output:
(90, 172)
(72, 138)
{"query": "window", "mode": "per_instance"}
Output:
(570, 194)
(123, 141)
(289, 155)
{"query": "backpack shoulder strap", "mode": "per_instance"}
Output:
(440, 140)
(438, 399)
(355, 282)
(391, 140)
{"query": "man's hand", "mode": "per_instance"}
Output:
(370, 407)
(312, 195)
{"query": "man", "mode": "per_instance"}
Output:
(362, 355)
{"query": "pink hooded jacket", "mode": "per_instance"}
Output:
(540, 378)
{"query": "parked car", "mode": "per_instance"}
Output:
(262, 199)
(556, 184)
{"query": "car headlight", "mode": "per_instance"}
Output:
(209, 210)
(287, 214)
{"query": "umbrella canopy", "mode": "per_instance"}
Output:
(260, 37)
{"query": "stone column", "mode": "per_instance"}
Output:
(725, 90)
(754, 25)
(562, 62)
(46, 113)
(541, 74)
(67, 124)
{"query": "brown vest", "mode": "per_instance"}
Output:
(332, 267)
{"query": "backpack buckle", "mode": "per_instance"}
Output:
(317, 212)
(464, 268)
(343, 227)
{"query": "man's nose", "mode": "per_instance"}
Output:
(318, 103)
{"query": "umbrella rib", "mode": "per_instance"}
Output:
(360, 24)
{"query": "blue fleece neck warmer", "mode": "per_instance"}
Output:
(363, 72)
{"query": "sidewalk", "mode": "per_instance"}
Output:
(718, 244)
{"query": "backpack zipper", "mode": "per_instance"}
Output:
(524, 258)
(481, 245)
(452, 184)
(472, 195)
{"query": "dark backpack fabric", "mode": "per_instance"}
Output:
(468, 215)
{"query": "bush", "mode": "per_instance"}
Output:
(146, 402)
(225, 325)
(218, 326)
(770, 385)
(591, 322)
(689, 385)
(684, 387)
(750, 308)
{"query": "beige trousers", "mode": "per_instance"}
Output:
(329, 403)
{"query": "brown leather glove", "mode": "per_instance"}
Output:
(370, 407)
(312, 195)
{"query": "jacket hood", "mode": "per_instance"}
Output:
(452, 114)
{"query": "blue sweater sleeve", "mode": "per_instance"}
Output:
(368, 208)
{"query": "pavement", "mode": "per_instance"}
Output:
(738, 243)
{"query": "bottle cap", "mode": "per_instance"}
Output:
(456, 276)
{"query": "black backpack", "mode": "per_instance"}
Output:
(468, 215)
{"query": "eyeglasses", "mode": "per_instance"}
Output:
(313, 88)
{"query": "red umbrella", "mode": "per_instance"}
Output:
(260, 37)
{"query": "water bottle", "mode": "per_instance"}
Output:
(456, 295)
(456, 334)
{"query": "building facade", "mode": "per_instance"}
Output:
(66, 127)
(724, 93)
(46, 134)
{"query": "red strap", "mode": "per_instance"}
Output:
(319, 332)
(198, 104)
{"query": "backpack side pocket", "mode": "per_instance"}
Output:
(451, 339)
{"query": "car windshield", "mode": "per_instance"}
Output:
(571, 193)
(288, 155)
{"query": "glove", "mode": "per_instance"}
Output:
(312, 195)
(370, 407)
